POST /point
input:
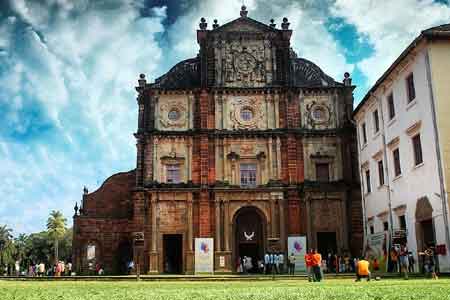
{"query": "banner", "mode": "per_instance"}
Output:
(377, 251)
(297, 247)
(204, 255)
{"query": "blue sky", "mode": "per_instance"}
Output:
(68, 71)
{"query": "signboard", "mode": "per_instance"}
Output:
(204, 255)
(377, 250)
(222, 261)
(297, 247)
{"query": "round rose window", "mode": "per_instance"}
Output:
(173, 115)
(246, 114)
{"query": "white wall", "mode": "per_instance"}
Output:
(415, 182)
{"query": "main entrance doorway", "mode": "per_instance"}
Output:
(326, 243)
(173, 253)
(249, 231)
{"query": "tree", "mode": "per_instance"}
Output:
(56, 227)
(7, 248)
(20, 243)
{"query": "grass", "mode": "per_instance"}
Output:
(261, 290)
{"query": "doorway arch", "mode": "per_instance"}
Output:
(249, 235)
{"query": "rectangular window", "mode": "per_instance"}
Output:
(402, 222)
(173, 173)
(376, 121)
(364, 133)
(248, 175)
(385, 226)
(411, 91)
(417, 146)
(380, 173)
(372, 229)
(391, 106)
(369, 189)
(397, 167)
(322, 172)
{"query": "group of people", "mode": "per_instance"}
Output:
(39, 270)
(272, 263)
(315, 266)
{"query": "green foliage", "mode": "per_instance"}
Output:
(230, 290)
(7, 248)
(56, 228)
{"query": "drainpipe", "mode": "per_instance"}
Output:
(443, 194)
(361, 184)
(385, 166)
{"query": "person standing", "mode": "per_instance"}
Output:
(404, 263)
(69, 269)
(291, 264)
(362, 270)
(394, 259)
(272, 263)
(316, 263)
(276, 260)
(281, 262)
(41, 269)
(308, 263)
(411, 262)
(266, 263)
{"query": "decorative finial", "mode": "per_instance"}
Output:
(203, 24)
(85, 190)
(244, 11)
(76, 208)
(347, 79)
(285, 24)
(142, 80)
(215, 25)
(272, 23)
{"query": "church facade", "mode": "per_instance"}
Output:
(246, 143)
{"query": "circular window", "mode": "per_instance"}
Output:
(319, 113)
(173, 115)
(246, 114)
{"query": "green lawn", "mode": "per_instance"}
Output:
(280, 289)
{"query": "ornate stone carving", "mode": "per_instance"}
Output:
(246, 113)
(244, 65)
(173, 114)
(319, 113)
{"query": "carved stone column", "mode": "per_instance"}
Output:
(269, 158)
(226, 224)
(309, 227)
(217, 219)
(278, 158)
(276, 111)
(154, 253)
(282, 223)
(272, 217)
(188, 160)
(189, 237)
(156, 166)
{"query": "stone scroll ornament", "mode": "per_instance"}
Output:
(173, 114)
(246, 113)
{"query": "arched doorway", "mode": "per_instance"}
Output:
(123, 256)
(249, 226)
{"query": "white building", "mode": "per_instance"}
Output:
(404, 146)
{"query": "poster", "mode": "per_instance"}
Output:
(297, 246)
(377, 249)
(204, 255)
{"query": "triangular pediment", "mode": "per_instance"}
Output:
(244, 24)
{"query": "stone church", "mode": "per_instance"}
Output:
(246, 143)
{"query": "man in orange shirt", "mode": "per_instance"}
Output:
(316, 263)
(308, 263)
(362, 269)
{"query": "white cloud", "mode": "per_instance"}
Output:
(71, 69)
(389, 26)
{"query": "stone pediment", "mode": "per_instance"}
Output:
(244, 24)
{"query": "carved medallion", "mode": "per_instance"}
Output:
(173, 114)
(246, 113)
(245, 63)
